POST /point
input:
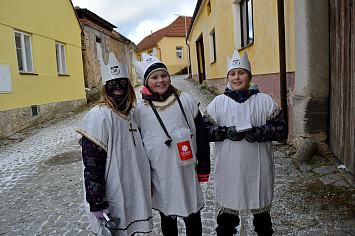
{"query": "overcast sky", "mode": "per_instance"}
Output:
(135, 19)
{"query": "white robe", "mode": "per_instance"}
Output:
(127, 171)
(244, 172)
(176, 190)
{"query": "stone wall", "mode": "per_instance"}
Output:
(16, 120)
(91, 64)
(109, 43)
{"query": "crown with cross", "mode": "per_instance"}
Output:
(238, 62)
(114, 69)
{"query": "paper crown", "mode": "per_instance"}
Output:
(143, 66)
(238, 62)
(114, 69)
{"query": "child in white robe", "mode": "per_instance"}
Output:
(243, 122)
(116, 166)
(162, 113)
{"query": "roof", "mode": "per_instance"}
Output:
(123, 38)
(87, 17)
(84, 13)
(175, 29)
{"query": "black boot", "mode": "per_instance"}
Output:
(227, 224)
(262, 224)
(169, 225)
(193, 224)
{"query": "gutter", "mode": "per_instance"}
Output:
(196, 13)
(282, 57)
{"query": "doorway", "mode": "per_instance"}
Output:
(200, 59)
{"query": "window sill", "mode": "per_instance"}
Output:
(27, 73)
(63, 75)
(241, 48)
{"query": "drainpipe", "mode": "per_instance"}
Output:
(159, 53)
(189, 62)
(282, 56)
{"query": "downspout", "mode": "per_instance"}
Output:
(159, 53)
(189, 58)
(282, 56)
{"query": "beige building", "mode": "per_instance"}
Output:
(169, 45)
(292, 59)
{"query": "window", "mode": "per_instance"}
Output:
(179, 52)
(243, 23)
(24, 52)
(208, 7)
(61, 63)
(139, 57)
(213, 46)
(150, 52)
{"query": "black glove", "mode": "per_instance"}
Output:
(233, 135)
(253, 134)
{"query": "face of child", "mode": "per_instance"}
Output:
(238, 79)
(117, 88)
(159, 82)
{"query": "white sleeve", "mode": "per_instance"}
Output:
(135, 114)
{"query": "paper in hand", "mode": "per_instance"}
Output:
(242, 126)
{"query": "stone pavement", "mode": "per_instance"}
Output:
(41, 185)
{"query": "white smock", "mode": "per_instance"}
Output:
(127, 171)
(176, 190)
(244, 172)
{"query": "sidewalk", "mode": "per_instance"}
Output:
(41, 185)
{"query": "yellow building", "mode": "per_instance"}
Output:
(41, 67)
(169, 45)
(218, 27)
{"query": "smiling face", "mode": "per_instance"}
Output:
(159, 82)
(117, 88)
(238, 79)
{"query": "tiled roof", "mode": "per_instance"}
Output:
(89, 18)
(122, 38)
(177, 28)
(84, 13)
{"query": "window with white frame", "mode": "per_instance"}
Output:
(213, 46)
(243, 23)
(24, 52)
(179, 53)
(61, 62)
(150, 52)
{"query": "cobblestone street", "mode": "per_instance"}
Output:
(41, 185)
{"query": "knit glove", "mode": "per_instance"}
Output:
(233, 135)
(99, 214)
(253, 134)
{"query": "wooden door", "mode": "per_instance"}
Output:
(342, 81)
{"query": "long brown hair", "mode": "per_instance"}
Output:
(130, 99)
